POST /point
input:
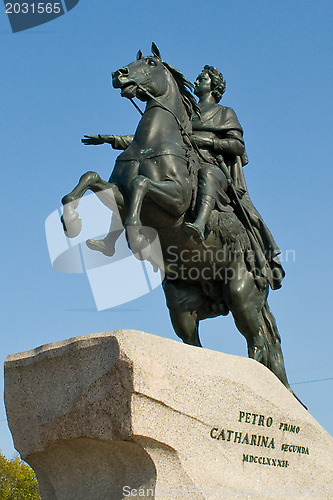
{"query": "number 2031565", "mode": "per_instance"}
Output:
(33, 8)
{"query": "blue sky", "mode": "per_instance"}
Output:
(277, 60)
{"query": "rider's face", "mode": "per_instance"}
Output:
(202, 85)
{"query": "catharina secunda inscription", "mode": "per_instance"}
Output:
(263, 433)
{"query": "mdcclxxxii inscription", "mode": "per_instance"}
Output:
(260, 439)
(275, 462)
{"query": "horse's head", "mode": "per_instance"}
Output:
(145, 74)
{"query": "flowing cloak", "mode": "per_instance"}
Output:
(221, 124)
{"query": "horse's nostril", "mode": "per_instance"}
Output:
(123, 71)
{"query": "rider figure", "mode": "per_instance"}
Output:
(219, 137)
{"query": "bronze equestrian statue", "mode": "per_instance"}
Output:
(181, 174)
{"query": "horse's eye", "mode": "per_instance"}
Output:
(151, 62)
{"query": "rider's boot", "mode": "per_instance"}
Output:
(197, 228)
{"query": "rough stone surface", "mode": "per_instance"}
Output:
(100, 415)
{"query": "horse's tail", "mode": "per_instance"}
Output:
(272, 341)
(274, 357)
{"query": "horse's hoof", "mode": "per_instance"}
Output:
(257, 353)
(100, 246)
(141, 249)
(138, 244)
(292, 392)
(72, 228)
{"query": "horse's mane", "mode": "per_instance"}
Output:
(183, 84)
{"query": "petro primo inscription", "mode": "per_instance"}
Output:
(259, 439)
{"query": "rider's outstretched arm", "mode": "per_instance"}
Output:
(116, 141)
(121, 141)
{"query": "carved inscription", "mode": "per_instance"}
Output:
(255, 419)
(275, 462)
(295, 449)
(289, 428)
(260, 439)
(242, 438)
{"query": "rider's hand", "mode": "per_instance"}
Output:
(92, 140)
(203, 142)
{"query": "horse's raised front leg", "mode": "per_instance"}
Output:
(165, 180)
(140, 187)
(164, 193)
(108, 193)
(173, 195)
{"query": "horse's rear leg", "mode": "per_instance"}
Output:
(108, 193)
(186, 326)
(245, 302)
(255, 321)
(181, 300)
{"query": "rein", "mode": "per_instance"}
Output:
(136, 106)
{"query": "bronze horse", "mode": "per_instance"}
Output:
(153, 184)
